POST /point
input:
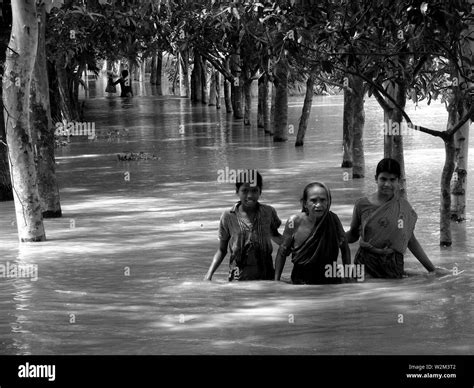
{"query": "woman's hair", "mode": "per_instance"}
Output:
(251, 177)
(388, 165)
(124, 73)
(308, 187)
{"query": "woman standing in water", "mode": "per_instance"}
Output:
(314, 237)
(385, 223)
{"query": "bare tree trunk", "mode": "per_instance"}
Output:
(262, 96)
(19, 64)
(227, 94)
(347, 129)
(271, 128)
(248, 100)
(6, 193)
(213, 89)
(445, 216)
(185, 68)
(153, 70)
(308, 102)
(393, 144)
(204, 98)
(236, 87)
(267, 102)
(158, 74)
(281, 101)
(196, 83)
(358, 122)
(218, 89)
(42, 129)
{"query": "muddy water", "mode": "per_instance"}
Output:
(121, 272)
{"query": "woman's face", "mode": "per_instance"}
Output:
(317, 202)
(387, 184)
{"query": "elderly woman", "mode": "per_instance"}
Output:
(314, 237)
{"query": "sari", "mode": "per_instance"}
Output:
(319, 249)
(390, 225)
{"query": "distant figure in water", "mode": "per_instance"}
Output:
(246, 230)
(385, 223)
(124, 81)
(314, 237)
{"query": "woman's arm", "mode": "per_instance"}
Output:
(287, 240)
(345, 252)
(217, 259)
(415, 248)
(352, 235)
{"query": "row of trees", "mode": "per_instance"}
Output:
(395, 51)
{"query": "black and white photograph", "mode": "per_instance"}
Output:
(237, 187)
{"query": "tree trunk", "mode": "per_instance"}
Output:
(271, 128)
(308, 101)
(459, 183)
(65, 94)
(227, 94)
(267, 102)
(248, 100)
(347, 129)
(158, 72)
(6, 193)
(358, 121)
(262, 96)
(213, 89)
(393, 144)
(153, 70)
(445, 216)
(236, 87)
(218, 89)
(19, 66)
(281, 101)
(204, 98)
(196, 83)
(185, 68)
(42, 129)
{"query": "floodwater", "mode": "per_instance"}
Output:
(121, 272)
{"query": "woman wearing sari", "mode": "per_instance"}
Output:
(385, 224)
(314, 237)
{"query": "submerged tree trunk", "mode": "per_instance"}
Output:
(236, 87)
(217, 78)
(262, 96)
(393, 143)
(42, 129)
(459, 183)
(153, 70)
(358, 122)
(247, 100)
(159, 71)
(196, 83)
(204, 98)
(227, 93)
(347, 129)
(305, 113)
(212, 89)
(281, 101)
(185, 68)
(19, 64)
(271, 127)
